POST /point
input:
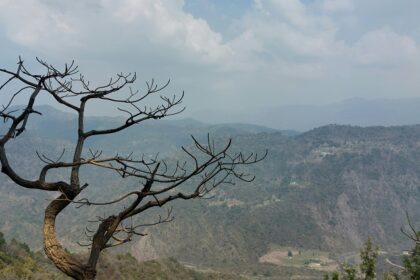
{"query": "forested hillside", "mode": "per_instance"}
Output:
(17, 261)
(327, 190)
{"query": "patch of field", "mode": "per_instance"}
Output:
(311, 259)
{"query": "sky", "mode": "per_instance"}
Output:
(228, 56)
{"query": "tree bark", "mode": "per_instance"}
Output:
(62, 259)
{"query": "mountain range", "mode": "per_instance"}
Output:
(324, 190)
(302, 117)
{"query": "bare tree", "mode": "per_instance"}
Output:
(206, 166)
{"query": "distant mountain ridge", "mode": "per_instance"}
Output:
(355, 111)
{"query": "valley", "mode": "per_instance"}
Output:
(320, 193)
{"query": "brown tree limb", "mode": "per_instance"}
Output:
(204, 168)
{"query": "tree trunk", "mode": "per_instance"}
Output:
(63, 260)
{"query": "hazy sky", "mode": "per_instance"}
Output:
(228, 54)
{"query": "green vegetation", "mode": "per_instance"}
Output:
(368, 266)
(349, 272)
(368, 256)
(325, 190)
(125, 266)
(18, 262)
(391, 276)
(412, 262)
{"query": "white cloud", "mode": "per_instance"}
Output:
(59, 26)
(384, 47)
(295, 34)
(338, 5)
(276, 32)
(171, 25)
(309, 49)
(34, 24)
(288, 37)
(293, 11)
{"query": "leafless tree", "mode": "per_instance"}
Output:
(412, 233)
(206, 168)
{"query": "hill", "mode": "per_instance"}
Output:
(323, 191)
(354, 111)
(17, 261)
(328, 189)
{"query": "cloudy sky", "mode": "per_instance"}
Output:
(228, 55)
